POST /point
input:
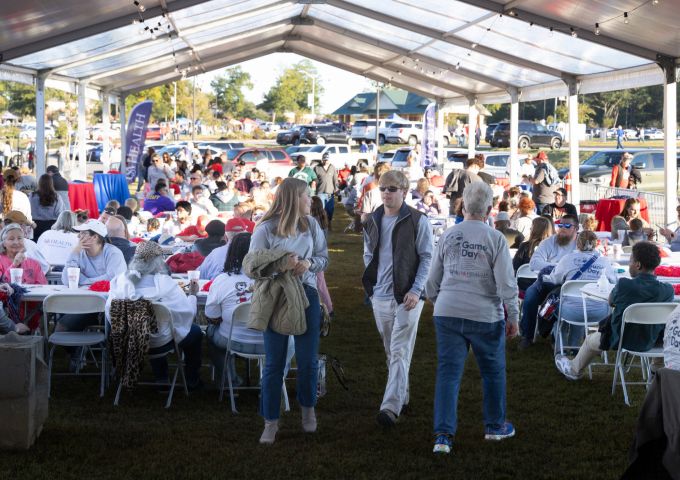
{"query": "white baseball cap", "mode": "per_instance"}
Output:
(95, 225)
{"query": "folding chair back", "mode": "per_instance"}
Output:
(525, 271)
(640, 314)
(570, 288)
(239, 318)
(75, 303)
(163, 314)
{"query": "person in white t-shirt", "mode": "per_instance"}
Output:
(228, 291)
(57, 243)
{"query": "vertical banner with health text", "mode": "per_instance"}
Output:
(135, 136)
(428, 143)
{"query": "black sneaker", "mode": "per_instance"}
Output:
(386, 418)
(524, 343)
(405, 409)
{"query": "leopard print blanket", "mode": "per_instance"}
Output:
(131, 323)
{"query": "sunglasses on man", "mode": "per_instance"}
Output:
(564, 225)
(391, 189)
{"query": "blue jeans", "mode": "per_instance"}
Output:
(619, 143)
(533, 297)
(455, 336)
(191, 346)
(306, 352)
(328, 200)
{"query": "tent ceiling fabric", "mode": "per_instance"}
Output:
(449, 50)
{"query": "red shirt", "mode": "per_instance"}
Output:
(192, 230)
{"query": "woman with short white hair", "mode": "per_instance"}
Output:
(471, 280)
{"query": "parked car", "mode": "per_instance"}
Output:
(29, 133)
(409, 132)
(339, 155)
(387, 156)
(153, 132)
(488, 136)
(297, 148)
(455, 158)
(650, 164)
(654, 134)
(274, 161)
(289, 137)
(89, 145)
(599, 164)
(223, 145)
(270, 127)
(365, 130)
(531, 135)
(496, 163)
(323, 134)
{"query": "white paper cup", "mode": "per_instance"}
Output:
(621, 234)
(16, 275)
(73, 274)
(193, 275)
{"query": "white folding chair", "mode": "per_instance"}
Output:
(240, 319)
(75, 303)
(641, 314)
(571, 288)
(163, 314)
(525, 271)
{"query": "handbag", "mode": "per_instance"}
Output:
(546, 312)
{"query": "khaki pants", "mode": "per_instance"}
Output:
(588, 352)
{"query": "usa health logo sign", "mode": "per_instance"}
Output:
(135, 136)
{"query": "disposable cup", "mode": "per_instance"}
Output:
(621, 234)
(73, 274)
(16, 275)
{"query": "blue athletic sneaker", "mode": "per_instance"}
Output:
(499, 433)
(442, 443)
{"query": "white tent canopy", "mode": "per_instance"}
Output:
(457, 52)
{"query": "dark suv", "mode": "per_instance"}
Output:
(322, 134)
(530, 135)
(289, 137)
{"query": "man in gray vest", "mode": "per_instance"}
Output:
(397, 254)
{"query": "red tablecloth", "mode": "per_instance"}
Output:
(82, 197)
(608, 208)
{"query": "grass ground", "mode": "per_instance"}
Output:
(564, 429)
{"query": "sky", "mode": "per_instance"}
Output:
(340, 86)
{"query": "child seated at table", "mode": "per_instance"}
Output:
(635, 234)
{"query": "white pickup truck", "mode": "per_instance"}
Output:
(365, 130)
(340, 154)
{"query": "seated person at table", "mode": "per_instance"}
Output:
(215, 239)
(183, 220)
(630, 210)
(512, 236)
(159, 201)
(226, 196)
(548, 253)
(32, 250)
(429, 205)
(673, 237)
(58, 242)
(228, 290)
(566, 269)
(108, 212)
(13, 255)
(7, 324)
(541, 228)
(635, 234)
(149, 279)
(213, 264)
(116, 231)
(97, 260)
(200, 204)
(194, 232)
(643, 287)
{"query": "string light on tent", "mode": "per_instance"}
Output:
(573, 32)
(139, 6)
(625, 18)
(597, 29)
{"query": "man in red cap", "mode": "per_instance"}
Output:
(546, 181)
(213, 264)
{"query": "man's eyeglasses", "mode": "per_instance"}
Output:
(564, 225)
(390, 189)
(194, 178)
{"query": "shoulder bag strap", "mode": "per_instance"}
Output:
(585, 267)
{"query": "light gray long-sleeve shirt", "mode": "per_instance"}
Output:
(549, 253)
(109, 263)
(309, 245)
(472, 276)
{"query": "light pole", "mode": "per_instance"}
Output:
(313, 92)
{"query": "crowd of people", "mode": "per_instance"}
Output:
(251, 236)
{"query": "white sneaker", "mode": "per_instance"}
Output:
(565, 367)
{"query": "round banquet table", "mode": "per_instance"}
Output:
(608, 208)
(82, 197)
